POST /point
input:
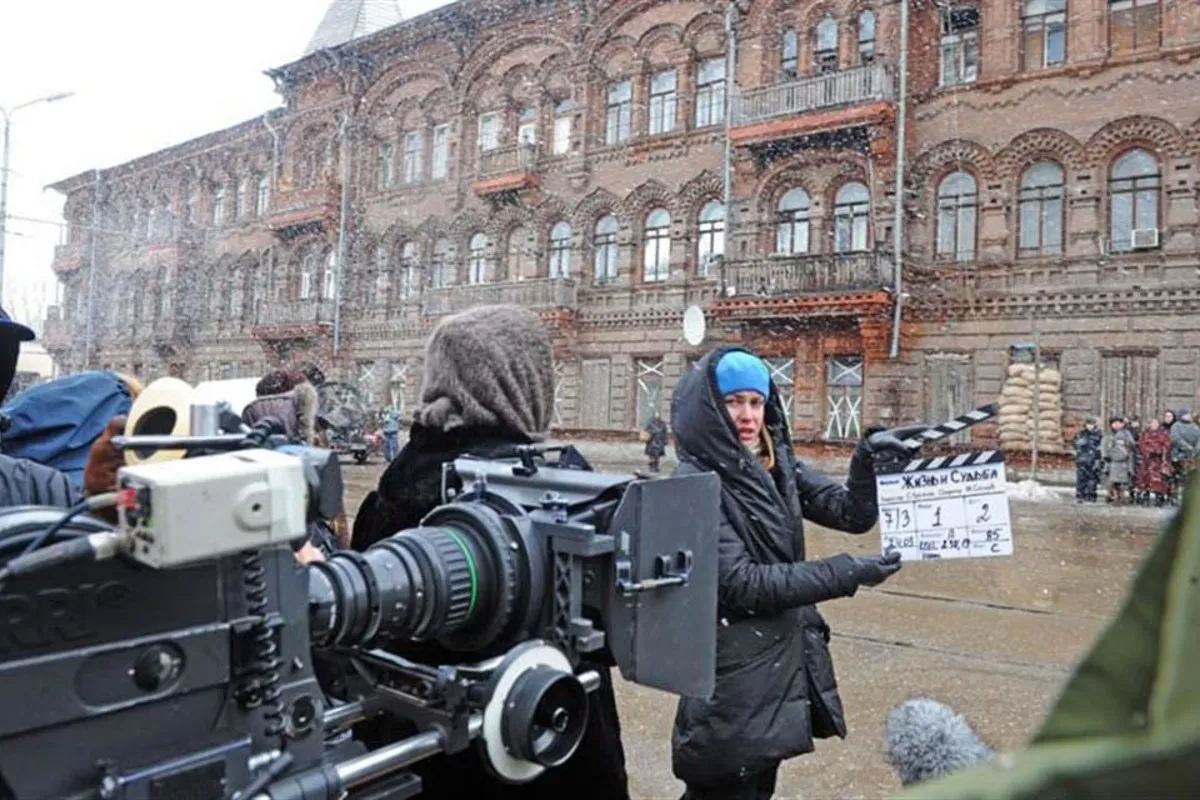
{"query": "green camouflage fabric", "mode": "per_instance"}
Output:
(1127, 723)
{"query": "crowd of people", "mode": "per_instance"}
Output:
(1136, 464)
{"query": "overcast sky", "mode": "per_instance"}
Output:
(147, 74)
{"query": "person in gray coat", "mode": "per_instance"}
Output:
(775, 686)
(1118, 452)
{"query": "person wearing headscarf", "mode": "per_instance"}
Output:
(488, 388)
(776, 692)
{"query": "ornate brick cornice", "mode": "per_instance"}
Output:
(1079, 303)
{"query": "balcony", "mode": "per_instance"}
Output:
(539, 294)
(295, 211)
(294, 320)
(818, 284)
(506, 169)
(71, 256)
(850, 98)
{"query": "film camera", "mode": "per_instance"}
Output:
(181, 653)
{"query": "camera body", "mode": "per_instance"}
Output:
(186, 666)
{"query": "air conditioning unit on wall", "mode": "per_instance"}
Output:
(1144, 238)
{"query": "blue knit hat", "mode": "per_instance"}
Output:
(738, 371)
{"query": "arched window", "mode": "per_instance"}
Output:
(441, 268)
(263, 197)
(710, 236)
(1040, 210)
(522, 255)
(851, 212)
(382, 275)
(956, 202)
(237, 291)
(218, 206)
(789, 57)
(825, 45)
(329, 282)
(656, 246)
(560, 250)
(308, 272)
(477, 259)
(604, 247)
(1133, 186)
(866, 37)
(792, 225)
(408, 270)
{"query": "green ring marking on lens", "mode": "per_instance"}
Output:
(470, 568)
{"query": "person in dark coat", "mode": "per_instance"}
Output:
(1088, 464)
(488, 388)
(1152, 472)
(775, 686)
(656, 441)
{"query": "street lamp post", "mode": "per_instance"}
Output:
(7, 114)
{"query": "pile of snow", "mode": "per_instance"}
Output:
(1031, 490)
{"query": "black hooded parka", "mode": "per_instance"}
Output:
(775, 686)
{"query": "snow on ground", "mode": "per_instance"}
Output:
(1034, 491)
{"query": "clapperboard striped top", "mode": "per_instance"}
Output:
(949, 462)
(972, 417)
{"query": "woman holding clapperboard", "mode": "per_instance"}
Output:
(775, 687)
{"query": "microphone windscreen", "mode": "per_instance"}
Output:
(926, 739)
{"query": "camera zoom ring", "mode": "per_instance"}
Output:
(462, 578)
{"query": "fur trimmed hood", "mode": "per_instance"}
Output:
(297, 410)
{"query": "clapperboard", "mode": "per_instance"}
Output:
(946, 507)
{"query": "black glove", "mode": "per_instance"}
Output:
(883, 446)
(874, 570)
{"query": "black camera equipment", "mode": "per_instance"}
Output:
(186, 665)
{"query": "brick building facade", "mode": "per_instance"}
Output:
(570, 156)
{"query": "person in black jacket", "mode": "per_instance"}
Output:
(488, 388)
(775, 686)
(22, 482)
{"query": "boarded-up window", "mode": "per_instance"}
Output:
(649, 390)
(560, 377)
(783, 373)
(948, 391)
(366, 382)
(1129, 385)
(594, 393)
(398, 386)
(843, 397)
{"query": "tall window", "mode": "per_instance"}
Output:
(408, 270)
(382, 276)
(441, 266)
(792, 223)
(560, 250)
(329, 281)
(825, 45)
(218, 207)
(477, 259)
(957, 202)
(604, 248)
(789, 56)
(866, 37)
(656, 246)
(649, 390)
(1133, 187)
(489, 131)
(851, 212)
(843, 397)
(239, 205)
(710, 236)
(383, 171)
(562, 128)
(710, 92)
(960, 45)
(414, 144)
(264, 195)
(662, 101)
(522, 255)
(527, 127)
(441, 151)
(1040, 205)
(1044, 33)
(1132, 25)
(619, 114)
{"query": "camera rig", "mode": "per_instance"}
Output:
(202, 660)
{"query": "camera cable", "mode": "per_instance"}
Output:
(96, 546)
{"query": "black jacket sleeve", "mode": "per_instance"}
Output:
(24, 483)
(852, 508)
(749, 588)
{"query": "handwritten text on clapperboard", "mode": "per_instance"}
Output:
(948, 507)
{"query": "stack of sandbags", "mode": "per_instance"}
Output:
(1031, 400)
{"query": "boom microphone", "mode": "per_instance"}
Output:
(925, 739)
